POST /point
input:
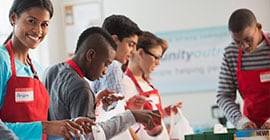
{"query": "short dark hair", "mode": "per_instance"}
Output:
(99, 33)
(240, 19)
(20, 6)
(121, 26)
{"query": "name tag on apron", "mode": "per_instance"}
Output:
(24, 95)
(265, 77)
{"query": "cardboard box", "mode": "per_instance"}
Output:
(260, 134)
(209, 135)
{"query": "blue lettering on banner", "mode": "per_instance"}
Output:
(192, 60)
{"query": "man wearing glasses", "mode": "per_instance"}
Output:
(246, 68)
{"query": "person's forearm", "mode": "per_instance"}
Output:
(117, 124)
(229, 108)
(44, 127)
(226, 92)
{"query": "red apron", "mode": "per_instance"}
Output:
(79, 72)
(26, 100)
(75, 67)
(157, 133)
(153, 94)
(255, 92)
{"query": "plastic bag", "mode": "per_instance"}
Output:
(179, 126)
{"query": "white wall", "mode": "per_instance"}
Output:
(168, 15)
(163, 15)
(56, 40)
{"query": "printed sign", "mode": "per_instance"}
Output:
(192, 61)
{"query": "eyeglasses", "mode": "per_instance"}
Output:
(156, 57)
(248, 40)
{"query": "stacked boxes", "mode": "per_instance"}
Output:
(261, 134)
(211, 136)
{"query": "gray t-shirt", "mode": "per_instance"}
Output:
(70, 95)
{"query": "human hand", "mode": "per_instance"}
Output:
(135, 102)
(249, 125)
(173, 108)
(64, 128)
(266, 125)
(102, 94)
(107, 97)
(149, 118)
(85, 123)
(108, 100)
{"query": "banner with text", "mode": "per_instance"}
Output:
(192, 61)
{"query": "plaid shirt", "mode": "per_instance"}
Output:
(113, 79)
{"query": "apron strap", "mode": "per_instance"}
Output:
(11, 54)
(32, 67)
(8, 45)
(266, 38)
(75, 67)
(239, 62)
(130, 74)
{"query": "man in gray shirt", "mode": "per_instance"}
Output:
(70, 93)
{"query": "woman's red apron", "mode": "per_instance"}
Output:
(160, 132)
(254, 86)
(153, 94)
(26, 99)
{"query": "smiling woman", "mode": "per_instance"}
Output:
(40, 54)
(150, 49)
(20, 87)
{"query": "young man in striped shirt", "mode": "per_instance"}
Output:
(246, 68)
